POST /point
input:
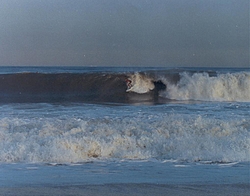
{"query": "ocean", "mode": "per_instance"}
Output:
(153, 126)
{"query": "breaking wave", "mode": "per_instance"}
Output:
(164, 136)
(122, 87)
(200, 86)
(196, 86)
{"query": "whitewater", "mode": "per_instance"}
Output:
(122, 121)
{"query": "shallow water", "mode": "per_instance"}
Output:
(122, 172)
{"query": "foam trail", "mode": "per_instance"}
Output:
(200, 86)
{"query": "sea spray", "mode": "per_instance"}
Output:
(201, 86)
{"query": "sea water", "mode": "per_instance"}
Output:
(78, 125)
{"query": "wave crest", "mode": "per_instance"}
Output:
(200, 86)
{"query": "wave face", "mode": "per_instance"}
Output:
(57, 87)
(154, 86)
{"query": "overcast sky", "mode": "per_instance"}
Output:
(125, 32)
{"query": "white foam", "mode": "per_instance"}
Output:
(228, 164)
(163, 136)
(200, 86)
(140, 84)
(181, 166)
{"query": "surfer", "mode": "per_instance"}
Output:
(129, 83)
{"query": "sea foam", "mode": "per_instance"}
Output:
(163, 137)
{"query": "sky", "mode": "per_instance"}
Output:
(125, 32)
